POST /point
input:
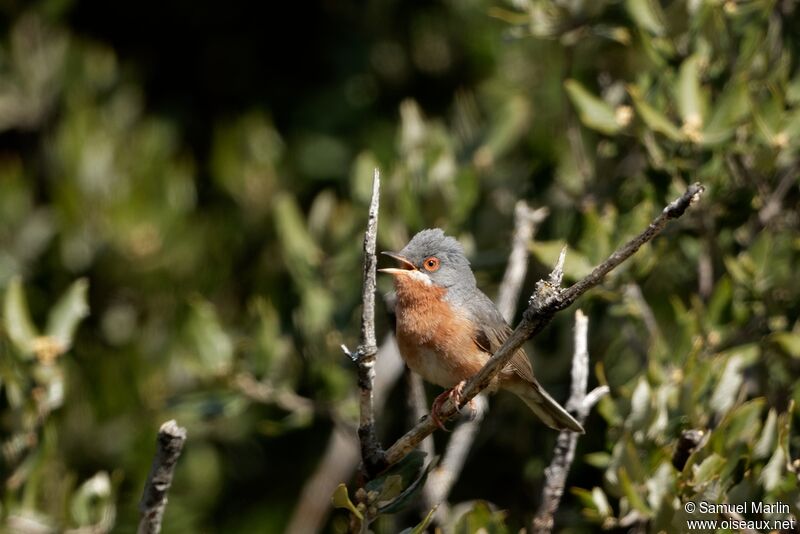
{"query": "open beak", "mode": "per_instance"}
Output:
(405, 265)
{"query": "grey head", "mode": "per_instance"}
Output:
(436, 256)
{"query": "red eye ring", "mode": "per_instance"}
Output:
(431, 264)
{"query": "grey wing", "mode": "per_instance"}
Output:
(492, 331)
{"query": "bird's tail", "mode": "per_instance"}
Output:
(545, 407)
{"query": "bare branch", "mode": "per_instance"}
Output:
(170, 441)
(364, 357)
(579, 403)
(526, 220)
(547, 300)
(341, 455)
(634, 293)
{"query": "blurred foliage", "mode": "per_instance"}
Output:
(218, 248)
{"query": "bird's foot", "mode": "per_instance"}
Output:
(454, 394)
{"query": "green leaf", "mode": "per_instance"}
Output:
(765, 443)
(300, 253)
(633, 494)
(16, 318)
(727, 389)
(647, 15)
(653, 118)
(422, 525)
(481, 518)
(67, 313)
(688, 95)
(789, 342)
(600, 460)
(772, 474)
(391, 488)
(400, 483)
(92, 503)
(341, 499)
(731, 108)
(594, 112)
(407, 495)
(207, 338)
(708, 469)
(601, 502)
(640, 404)
(742, 425)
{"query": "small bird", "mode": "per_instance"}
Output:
(447, 328)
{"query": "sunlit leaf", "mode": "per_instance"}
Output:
(481, 518)
(653, 118)
(16, 318)
(647, 15)
(632, 493)
(207, 337)
(688, 95)
(421, 527)
(709, 468)
(640, 404)
(93, 503)
(789, 342)
(68, 312)
(772, 474)
(593, 111)
(766, 442)
(728, 386)
(341, 499)
(601, 502)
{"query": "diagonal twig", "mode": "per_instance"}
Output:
(548, 299)
(171, 438)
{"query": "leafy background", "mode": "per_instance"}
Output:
(183, 190)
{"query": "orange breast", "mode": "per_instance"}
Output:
(436, 341)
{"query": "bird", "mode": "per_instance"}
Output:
(447, 328)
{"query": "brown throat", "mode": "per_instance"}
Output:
(420, 307)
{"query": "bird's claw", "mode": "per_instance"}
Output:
(455, 394)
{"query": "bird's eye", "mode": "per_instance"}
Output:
(431, 264)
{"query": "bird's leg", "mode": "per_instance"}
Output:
(455, 395)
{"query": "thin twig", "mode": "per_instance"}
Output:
(444, 476)
(265, 392)
(634, 293)
(364, 357)
(547, 300)
(170, 441)
(774, 203)
(579, 403)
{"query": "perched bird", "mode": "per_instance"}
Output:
(447, 328)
